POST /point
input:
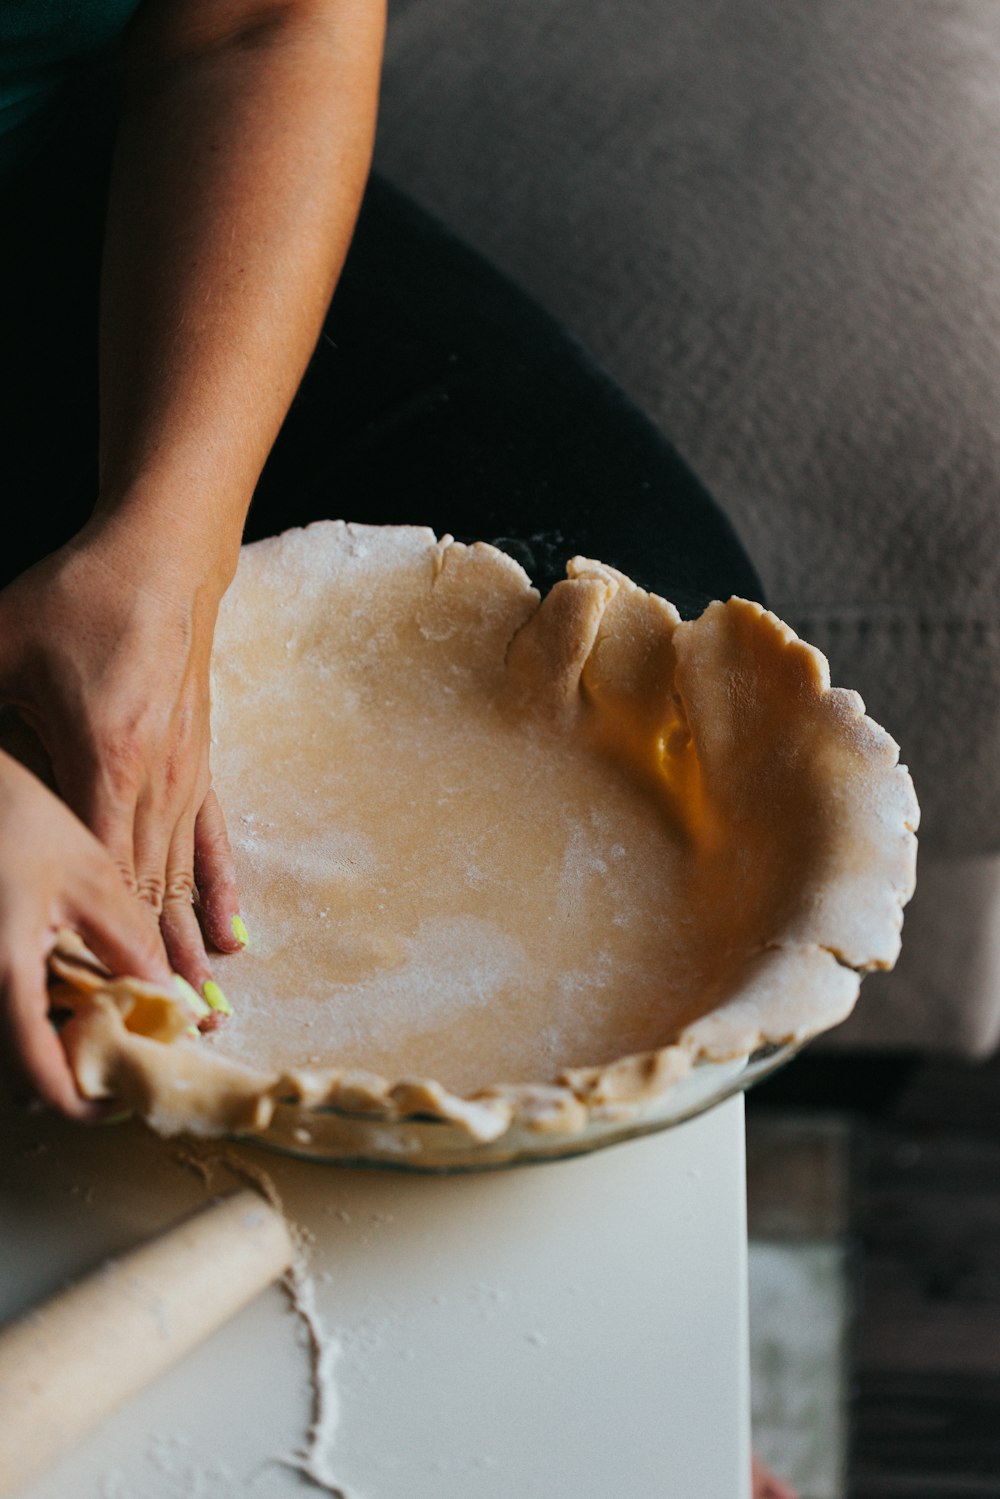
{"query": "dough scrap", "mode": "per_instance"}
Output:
(508, 863)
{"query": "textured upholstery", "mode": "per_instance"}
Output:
(778, 225)
(943, 993)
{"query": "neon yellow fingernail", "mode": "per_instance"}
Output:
(240, 930)
(189, 994)
(216, 998)
(120, 1118)
(193, 1030)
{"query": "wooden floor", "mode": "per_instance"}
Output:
(925, 1222)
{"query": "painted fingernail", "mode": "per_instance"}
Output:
(189, 994)
(240, 932)
(119, 1118)
(216, 998)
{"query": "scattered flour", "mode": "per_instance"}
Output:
(325, 1348)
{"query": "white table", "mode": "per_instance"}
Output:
(576, 1329)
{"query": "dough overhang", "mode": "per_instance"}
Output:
(504, 846)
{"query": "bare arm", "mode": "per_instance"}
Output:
(243, 150)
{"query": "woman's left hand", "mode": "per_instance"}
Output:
(105, 648)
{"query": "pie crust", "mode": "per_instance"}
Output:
(510, 864)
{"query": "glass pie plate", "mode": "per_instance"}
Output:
(422, 1144)
(524, 877)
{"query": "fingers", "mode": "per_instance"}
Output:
(164, 862)
(178, 919)
(195, 846)
(33, 1053)
(182, 930)
(218, 897)
(120, 930)
(154, 834)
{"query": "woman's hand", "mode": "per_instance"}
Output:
(54, 873)
(105, 649)
(244, 143)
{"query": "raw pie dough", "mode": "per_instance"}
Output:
(505, 862)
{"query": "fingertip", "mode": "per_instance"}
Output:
(218, 896)
(223, 926)
(213, 1021)
(36, 1052)
(83, 1110)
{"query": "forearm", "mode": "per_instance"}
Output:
(243, 151)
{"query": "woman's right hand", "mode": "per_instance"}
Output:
(54, 873)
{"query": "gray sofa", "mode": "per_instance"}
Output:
(778, 225)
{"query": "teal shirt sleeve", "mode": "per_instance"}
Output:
(43, 43)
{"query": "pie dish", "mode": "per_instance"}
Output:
(517, 872)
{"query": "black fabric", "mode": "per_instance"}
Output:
(438, 394)
(51, 229)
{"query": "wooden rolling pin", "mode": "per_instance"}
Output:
(71, 1361)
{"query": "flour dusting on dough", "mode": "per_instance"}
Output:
(510, 874)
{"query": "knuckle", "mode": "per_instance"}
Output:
(115, 872)
(180, 889)
(150, 891)
(110, 880)
(104, 882)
